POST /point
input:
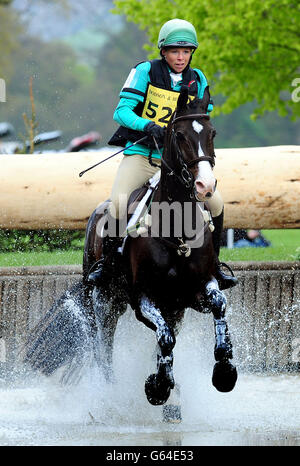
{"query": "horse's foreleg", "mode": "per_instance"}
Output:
(159, 385)
(154, 319)
(224, 374)
(217, 303)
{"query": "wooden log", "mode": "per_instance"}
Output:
(260, 187)
(44, 191)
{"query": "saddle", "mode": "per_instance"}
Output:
(139, 208)
(139, 212)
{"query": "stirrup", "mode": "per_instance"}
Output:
(225, 281)
(223, 264)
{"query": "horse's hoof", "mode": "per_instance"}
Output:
(157, 393)
(224, 376)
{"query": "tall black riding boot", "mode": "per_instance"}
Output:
(107, 260)
(110, 254)
(225, 281)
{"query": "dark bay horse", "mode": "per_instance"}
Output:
(160, 274)
(165, 275)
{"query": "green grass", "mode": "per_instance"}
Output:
(284, 248)
(27, 259)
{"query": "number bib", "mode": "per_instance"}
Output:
(160, 104)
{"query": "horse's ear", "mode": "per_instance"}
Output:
(183, 98)
(206, 98)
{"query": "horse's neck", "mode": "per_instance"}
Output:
(171, 189)
(165, 186)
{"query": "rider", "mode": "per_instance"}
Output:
(142, 111)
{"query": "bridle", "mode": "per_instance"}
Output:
(194, 116)
(186, 177)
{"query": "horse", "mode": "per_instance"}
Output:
(159, 275)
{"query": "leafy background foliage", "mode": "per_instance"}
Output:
(76, 87)
(248, 48)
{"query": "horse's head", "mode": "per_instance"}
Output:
(190, 135)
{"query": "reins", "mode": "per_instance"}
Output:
(192, 116)
(186, 177)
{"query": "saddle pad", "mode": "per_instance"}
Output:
(138, 212)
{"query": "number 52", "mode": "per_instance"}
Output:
(152, 112)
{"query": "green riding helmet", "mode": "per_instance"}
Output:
(177, 33)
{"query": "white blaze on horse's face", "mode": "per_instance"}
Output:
(205, 182)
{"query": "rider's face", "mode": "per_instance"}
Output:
(177, 58)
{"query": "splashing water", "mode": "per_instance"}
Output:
(262, 409)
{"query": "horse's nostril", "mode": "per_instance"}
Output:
(200, 186)
(205, 190)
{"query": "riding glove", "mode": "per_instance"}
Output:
(156, 131)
